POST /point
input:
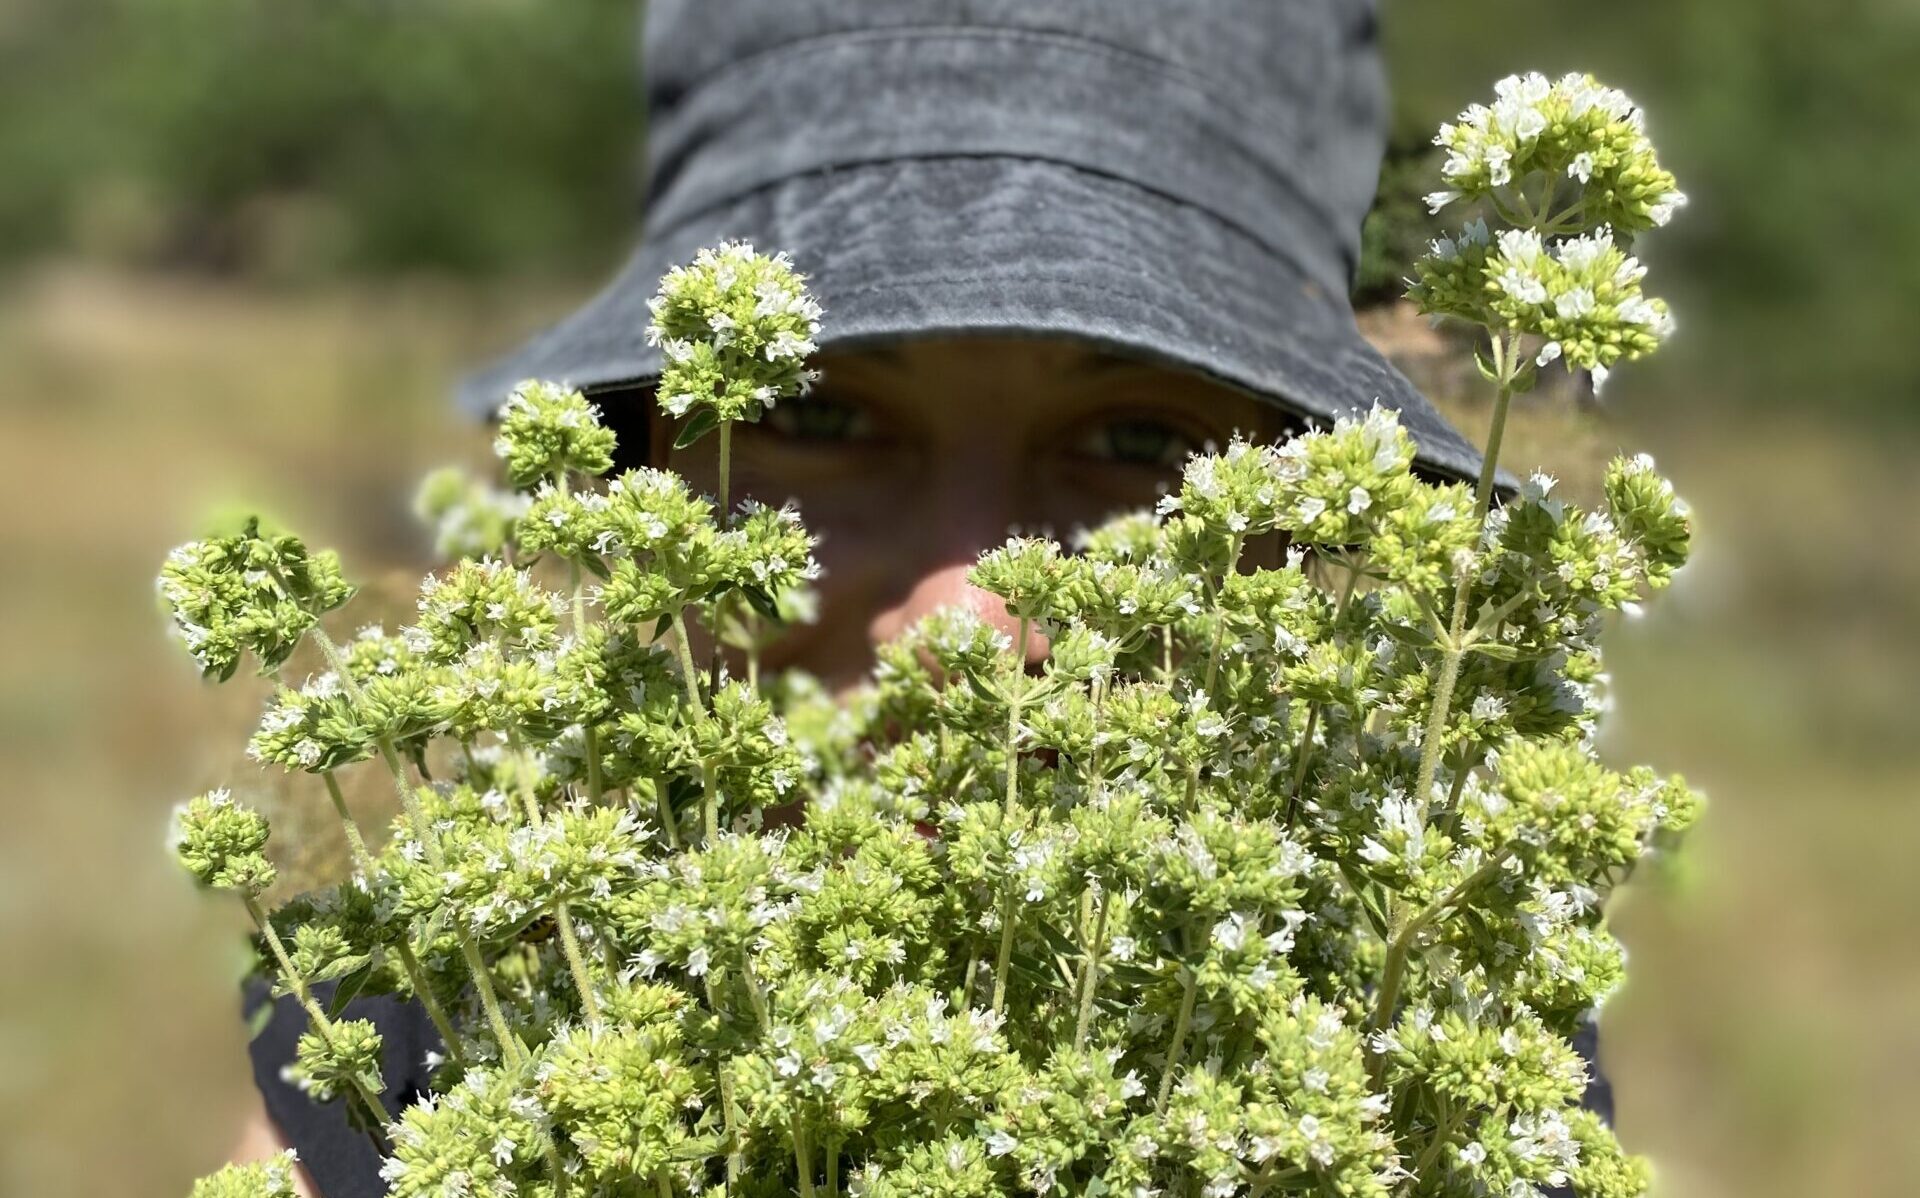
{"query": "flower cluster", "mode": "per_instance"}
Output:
(1278, 878)
(1575, 130)
(735, 328)
(252, 592)
(1567, 167)
(264, 1179)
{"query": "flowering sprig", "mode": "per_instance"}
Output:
(1280, 879)
(736, 329)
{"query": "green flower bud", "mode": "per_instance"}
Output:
(271, 1178)
(624, 1098)
(736, 328)
(251, 592)
(220, 842)
(339, 1061)
(546, 432)
(1577, 134)
(1333, 487)
(1655, 521)
(479, 603)
(1031, 576)
(467, 517)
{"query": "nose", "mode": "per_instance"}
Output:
(947, 586)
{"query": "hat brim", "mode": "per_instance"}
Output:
(998, 245)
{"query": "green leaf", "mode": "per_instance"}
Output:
(1496, 650)
(596, 566)
(258, 1021)
(349, 988)
(702, 423)
(760, 601)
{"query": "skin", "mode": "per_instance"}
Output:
(908, 461)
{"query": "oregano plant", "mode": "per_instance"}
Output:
(1269, 880)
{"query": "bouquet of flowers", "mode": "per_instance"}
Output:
(1268, 881)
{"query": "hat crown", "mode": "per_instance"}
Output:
(1237, 106)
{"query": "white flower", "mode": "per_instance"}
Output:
(1000, 1143)
(1582, 168)
(1575, 304)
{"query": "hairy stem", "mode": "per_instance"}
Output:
(423, 990)
(726, 522)
(356, 843)
(1008, 910)
(1090, 979)
(562, 916)
(683, 646)
(729, 1113)
(1190, 987)
(1393, 974)
(322, 1025)
(1505, 353)
(1301, 758)
(512, 1052)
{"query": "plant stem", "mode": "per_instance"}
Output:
(1190, 988)
(1504, 355)
(1008, 911)
(322, 1025)
(1090, 981)
(562, 916)
(1213, 651)
(511, 1050)
(1313, 710)
(726, 523)
(589, 735)
(668, 820)
(356, 843)
(736, 1155)
(1393, 974)
(417, 978)
(801, 1156)
(709, 804)
(683, 645)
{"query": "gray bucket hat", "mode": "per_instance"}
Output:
(1179, 181)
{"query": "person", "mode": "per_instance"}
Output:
(1061, 245)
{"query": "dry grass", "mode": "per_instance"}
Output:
(1766, 1045)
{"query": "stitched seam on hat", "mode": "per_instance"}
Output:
(819, 43)
(1292, 258)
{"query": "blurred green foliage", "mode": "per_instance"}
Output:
(306, 138)
(302, 139)
(1795, 127)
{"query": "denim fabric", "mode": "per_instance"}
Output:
(1183, 180)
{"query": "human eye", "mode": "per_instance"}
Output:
(1136, 439)
(820, 420)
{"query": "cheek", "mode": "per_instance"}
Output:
(1085, 495)
(865, 517)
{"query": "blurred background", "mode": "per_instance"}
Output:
(246, 244)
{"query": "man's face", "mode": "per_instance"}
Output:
(908, 461)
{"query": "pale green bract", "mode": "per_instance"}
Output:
(1270, 880)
